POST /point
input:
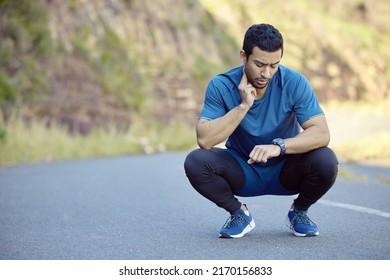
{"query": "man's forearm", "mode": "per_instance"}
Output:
(211, 133)
(308, 140)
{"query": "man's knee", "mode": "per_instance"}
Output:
(326, 163)
(196, 163)
(193, 160)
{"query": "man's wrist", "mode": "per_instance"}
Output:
(244, 107)
(281, 144)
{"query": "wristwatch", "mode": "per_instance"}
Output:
(280, 143)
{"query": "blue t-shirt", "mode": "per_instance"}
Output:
(288, 102)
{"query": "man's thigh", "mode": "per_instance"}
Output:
(201, 165)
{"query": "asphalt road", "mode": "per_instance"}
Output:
(143, 208)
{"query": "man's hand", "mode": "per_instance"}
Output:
(246, 90)
(262, 153)
(212, 132)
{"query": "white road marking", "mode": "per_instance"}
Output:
(356, 208)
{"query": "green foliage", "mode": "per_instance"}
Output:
(202, 71)
(7, 91)
(32, 82)
(226, 46)
(26, 23)
(80, 37)
(118, 73)
(6, 55)
(26, 42)
(3, 134)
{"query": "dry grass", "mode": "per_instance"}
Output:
(36, 143)
(360, 131)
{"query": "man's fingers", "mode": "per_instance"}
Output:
(260, 153)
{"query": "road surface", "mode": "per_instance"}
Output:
(143, 208)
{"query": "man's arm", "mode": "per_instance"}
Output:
(315, 134)
(212, 132)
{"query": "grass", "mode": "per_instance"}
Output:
(369, 149)
(36, 143)
(365, 128)
(384, 180)
(347, 174)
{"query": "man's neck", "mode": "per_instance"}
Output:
(260, 93)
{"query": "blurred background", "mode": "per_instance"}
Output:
(100, 78)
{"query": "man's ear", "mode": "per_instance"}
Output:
(243, 56)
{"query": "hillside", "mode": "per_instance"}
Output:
(87, 64)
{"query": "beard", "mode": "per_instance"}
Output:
(260, 83)
(257, 82)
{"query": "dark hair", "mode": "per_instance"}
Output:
(264, 36)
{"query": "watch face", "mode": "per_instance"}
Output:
(278, 141)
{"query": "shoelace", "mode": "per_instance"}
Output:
(235, 219)
(302, 218)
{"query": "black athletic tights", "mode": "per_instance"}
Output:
(215, 174)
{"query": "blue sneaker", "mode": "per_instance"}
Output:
(237, 225)
(300, 223)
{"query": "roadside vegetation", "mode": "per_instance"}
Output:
(361, 130)
(21, 143)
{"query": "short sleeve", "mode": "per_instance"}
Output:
(305, 102)
(214, 105)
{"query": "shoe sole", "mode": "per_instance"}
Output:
(247, 229)
(309, 234)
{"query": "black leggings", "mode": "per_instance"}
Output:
(216, 175)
